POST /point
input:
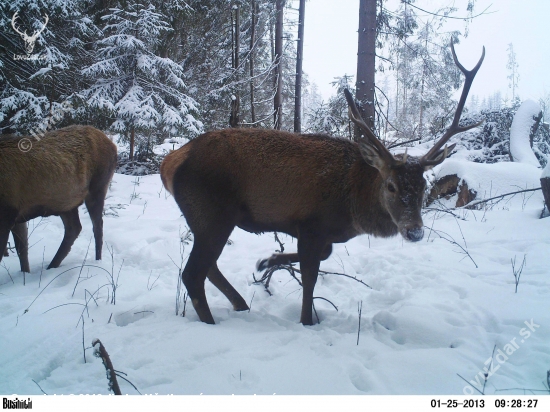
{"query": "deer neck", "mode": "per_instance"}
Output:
(369, 216)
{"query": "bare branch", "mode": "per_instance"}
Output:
(101, 352)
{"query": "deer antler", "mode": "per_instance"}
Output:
(355, 117)
(434, 154)
(35, 35)
(14, 27)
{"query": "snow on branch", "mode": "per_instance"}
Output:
(520, 133)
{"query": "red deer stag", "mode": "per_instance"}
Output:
(319, 189)
(62, 170)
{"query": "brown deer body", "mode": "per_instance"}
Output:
(65, 168)
(319, 189)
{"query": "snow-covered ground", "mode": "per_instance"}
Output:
(433, 313)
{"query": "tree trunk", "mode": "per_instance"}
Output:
(251, 61)
(132, 142)
(299, 59)
(235, 100)
(534, 128)
(278, 100)
(545, 185)
(421, 120)
(366, 52)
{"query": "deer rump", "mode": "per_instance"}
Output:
(62, 170)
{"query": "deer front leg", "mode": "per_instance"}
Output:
(310, 251)
(20, 238)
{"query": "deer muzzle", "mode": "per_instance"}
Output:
(413, 234)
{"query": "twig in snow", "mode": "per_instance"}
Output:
(326, 300)
(251, 300)
(486, 374)
(452, 241)
(122, 377)
(82, 266)
(315, 311)
(470, 384)
(39, 387)
(101, 352)
(42, 268)
(111, 275)
(522, 389)
(322, 272)
(185, 296)
(7, 270)
(83, 346)
(517, 273)
(185, 238)
(471, 205)
(135, 195)
(152, 284)
(359, 311)
(290, 268)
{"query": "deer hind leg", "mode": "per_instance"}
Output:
(94, 203)
(4, 236)
(311, 249)
(286, 259)
(20, 238)
(73, 227)
(7, 221)
(201, 263)
(218, 280)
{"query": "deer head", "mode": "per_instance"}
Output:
(403, 183)
(29, 40)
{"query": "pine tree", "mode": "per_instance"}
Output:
(35, 92)
(512, 65)
(143, 91)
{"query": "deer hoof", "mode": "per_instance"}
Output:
(262, 265)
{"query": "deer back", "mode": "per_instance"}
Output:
(275, 180)
(55, 174)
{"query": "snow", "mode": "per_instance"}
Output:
(491, 179)
(546, 171)
(519, 133)
(430, 315)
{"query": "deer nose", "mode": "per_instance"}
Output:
(415, 234)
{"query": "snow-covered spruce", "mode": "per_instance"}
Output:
(143, 91)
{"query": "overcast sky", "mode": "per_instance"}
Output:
(330, 42)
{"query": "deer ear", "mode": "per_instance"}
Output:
(439, 157)
(372, 157)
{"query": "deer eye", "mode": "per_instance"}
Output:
(391, 188)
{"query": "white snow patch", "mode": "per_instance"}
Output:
(546, 171)
(491, 179)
